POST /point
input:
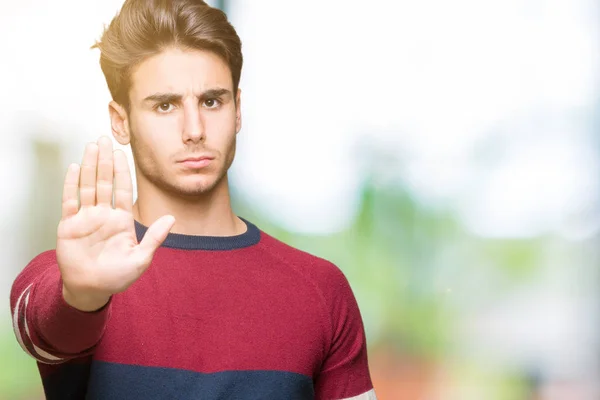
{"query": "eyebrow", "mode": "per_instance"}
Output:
(174, 97)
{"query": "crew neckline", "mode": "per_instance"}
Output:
(197, 242)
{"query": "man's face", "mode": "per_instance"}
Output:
(183, 121)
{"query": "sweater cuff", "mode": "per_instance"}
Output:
(63, 327)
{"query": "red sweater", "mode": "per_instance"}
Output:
(242, 317)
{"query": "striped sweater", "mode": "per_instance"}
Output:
(240, 317)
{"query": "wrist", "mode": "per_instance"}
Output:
(86, 302)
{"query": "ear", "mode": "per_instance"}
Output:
(119, 123)
(238, 111)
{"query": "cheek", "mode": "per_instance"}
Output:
(226, 142)
(154, 129)
(224, 131)
(159, 127)
(148, 138)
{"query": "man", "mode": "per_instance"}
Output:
(175, 297)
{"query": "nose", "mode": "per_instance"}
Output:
(193, 126)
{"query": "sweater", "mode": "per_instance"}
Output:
(238, 317)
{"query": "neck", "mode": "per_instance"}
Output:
(209, 214)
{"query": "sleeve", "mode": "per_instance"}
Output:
(46, 327)
(344, 372)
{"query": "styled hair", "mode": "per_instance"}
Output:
(144, 28)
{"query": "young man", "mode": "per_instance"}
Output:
(175, 297)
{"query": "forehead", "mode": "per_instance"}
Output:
(181, 71)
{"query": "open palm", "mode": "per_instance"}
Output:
(97, 250)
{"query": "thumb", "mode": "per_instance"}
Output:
(156, 235)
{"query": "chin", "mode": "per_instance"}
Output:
(195, 190)
(195, 187)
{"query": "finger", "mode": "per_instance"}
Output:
(70, 201)
(104, 179)
(87, 181)
(123, 186)
(155, 236)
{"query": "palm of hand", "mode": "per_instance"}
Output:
(97, 250)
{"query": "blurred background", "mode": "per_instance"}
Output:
(445, 155)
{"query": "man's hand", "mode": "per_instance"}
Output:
(97, 250)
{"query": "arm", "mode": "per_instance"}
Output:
(345, 371)
(46, 326)
(60, 302)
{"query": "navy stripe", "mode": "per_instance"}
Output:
(67, 382)
(118, 381)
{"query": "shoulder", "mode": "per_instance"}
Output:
(315, 268)
(324, 275)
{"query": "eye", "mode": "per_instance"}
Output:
(164, 107)
(212, 103)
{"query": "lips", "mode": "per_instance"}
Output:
(197, 162)
(200, 158)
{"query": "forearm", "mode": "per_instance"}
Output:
(46, 326)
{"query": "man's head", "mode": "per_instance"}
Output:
(173, 69)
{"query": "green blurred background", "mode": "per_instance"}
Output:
(444, 156)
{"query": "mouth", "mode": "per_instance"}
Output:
(196, 162)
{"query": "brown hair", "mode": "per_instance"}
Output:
(144, 28)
